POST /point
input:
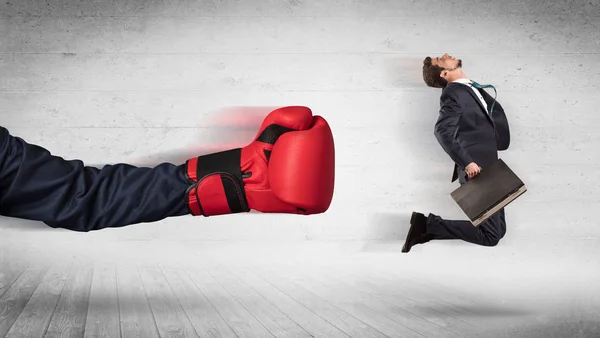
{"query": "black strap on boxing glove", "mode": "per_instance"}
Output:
(217, 184)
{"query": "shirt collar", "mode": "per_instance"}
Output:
(463, 81)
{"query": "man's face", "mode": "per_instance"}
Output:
(447, 62)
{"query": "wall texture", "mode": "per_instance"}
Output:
(144, 82)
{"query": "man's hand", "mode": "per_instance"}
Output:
(472, 169)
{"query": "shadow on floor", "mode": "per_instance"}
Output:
(475, 311)
(550, 328)
(388, 226)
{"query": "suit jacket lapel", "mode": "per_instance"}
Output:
(483, 108)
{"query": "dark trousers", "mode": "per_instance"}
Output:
(36, 185)
(487, 233)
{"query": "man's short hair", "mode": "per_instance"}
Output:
(431, 74)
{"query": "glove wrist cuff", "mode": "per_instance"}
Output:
(217, 187)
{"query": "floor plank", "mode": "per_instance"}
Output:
(10, 271)
(136, 317)
(203, 315)
(239, 319)
(354, 326)
(70, 314)
(391, 321)
(274, 320)
(18, 295)
(423, 291)
(103, 312)
(307, 318)
(453, 301)
(36, 315)
(170, 317)
(399, 305)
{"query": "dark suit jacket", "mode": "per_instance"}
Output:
(466, 132)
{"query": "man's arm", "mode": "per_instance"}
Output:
(446, 128)
(67, 194)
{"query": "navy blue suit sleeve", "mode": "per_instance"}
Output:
(446, 128)
(36, 185)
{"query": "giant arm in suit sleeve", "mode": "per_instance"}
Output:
(37, 185)
(446, 128)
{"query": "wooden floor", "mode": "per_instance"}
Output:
(345, 298)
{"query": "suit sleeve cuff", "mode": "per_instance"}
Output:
(465, 160)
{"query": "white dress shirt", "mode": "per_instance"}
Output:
(467, 82)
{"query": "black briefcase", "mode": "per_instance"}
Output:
(492, 189)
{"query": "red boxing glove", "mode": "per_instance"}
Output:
(288, 168)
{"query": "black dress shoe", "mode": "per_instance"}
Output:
(417, 234)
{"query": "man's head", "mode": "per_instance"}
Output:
(438, 71)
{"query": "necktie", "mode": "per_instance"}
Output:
(477, 85)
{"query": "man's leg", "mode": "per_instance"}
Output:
(67, 194)
(487, 233)
(424, 229)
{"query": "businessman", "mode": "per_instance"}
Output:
(471, 128)
(287, 168)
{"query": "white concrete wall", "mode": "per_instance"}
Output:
(143, 82)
